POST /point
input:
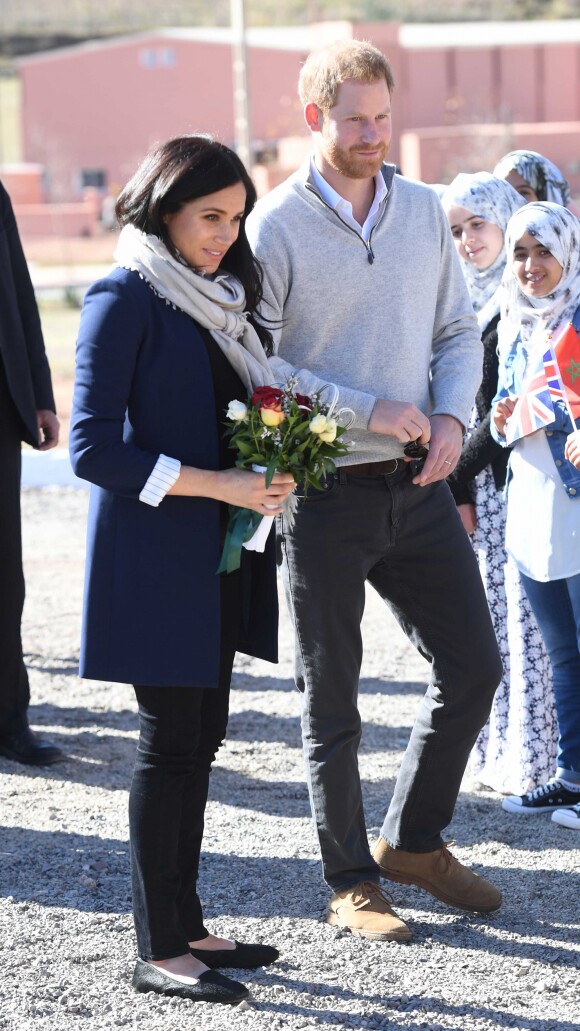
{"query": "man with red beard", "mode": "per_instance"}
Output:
(363, 285)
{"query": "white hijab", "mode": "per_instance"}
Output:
(495, 201)
(535, 318)
(217, 304)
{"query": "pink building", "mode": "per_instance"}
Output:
(91, 112)
(465, 94)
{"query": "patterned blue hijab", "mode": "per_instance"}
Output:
(545, 179)
(495, 201)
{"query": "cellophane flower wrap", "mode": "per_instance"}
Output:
(279, 430)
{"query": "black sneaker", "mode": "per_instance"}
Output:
(550, 796)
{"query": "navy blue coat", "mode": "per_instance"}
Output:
(152, 597)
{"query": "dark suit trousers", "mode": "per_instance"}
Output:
(14, 690)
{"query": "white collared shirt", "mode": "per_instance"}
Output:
(343, 207)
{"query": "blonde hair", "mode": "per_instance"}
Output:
(326, 69)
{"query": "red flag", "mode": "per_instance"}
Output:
(566, 352)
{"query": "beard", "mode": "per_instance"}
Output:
(351, 163)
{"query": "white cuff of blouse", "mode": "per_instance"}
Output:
(161, 480)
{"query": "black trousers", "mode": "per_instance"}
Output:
(181, 729)
(409, 543)
(14, 689)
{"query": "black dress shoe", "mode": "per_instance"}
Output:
(246, 956)
(210, 987)
(24, 747)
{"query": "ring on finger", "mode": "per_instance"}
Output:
(447, 462)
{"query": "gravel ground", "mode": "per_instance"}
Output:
(67, 939)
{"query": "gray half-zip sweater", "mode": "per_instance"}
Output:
(389, 319)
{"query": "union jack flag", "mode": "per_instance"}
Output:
(533, 410)
(553, 378)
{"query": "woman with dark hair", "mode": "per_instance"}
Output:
(166, 341)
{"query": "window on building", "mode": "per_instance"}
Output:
(93, 177)
(160, 57)
(147, 58)
(167, 57)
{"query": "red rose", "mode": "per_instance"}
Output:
(303, 401)
(268, 397)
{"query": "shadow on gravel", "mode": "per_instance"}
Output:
(377, 685)
(368, 685)
(68, 666)
(244, 682)
(73, 871)
(401, 1009)
(80, 716)
(472, 933)
(91, 874)
(273, 797)
(254, 725)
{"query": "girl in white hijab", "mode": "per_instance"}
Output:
(542, 296)
(513, 751)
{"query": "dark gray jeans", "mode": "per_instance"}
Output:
(409, 543)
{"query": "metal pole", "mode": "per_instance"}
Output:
(241, 108)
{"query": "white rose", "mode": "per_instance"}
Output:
(318, 424)
(237, 411)
(330, 432)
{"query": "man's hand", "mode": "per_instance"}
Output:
(501, 413)
(572, 450)
(400, 419)
(468, 517)
(444, 450)
(48, 427)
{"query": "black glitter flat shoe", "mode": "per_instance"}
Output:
(248, 957)
(210, 987)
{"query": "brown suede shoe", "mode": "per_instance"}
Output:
(366, 911)
(441, 874)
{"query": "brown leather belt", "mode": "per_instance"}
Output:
(372, 468)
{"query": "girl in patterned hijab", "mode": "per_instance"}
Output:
(534, 177)
(528, 308)
(509, 754)
(542, 295)
(479, 208)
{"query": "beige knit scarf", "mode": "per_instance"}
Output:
(216, 304)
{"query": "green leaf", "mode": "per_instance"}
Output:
(271, 469)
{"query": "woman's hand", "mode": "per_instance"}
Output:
(248, 490)
(501, 413)
(468, 517)
(236, 487)
(572, 450)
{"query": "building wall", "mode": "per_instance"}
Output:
(102, 108)
(436, 155)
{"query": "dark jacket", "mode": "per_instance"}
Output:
(21, 344)
(152, 597)
(481, 450)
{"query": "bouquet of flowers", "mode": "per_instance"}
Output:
(279, 430)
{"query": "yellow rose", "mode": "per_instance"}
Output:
(272, 416)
